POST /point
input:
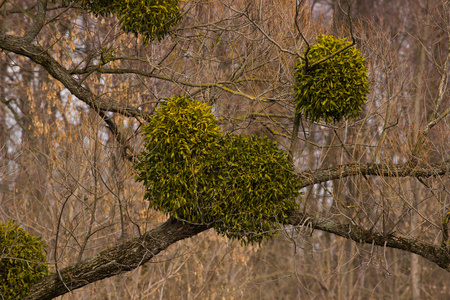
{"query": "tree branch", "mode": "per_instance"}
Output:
(115, 260)
(127, 151)
(134, 253)
(434, 116)
(221, 84)
(391, 170)
(39, 21)
(38, 55)
(437, 254)
(23, 46)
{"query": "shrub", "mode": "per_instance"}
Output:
(242, 186)
(22, 261)
(153, 19)
(334, 89)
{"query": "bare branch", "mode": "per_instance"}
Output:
(330, 56)
(134, 253)
(39, 21)
(260, 29)
(308, 46)
(390, 170)
(435, 118)
(115, 260)
(126, 148)
(38, 55)
(221, 84)
(437, 254)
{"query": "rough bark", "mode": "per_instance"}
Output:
(135, 252)
(311, 177)
(38, 55)
(435, 253)
(132, 254)
(115, 260)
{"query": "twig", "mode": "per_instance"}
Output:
(305, 58)
(55, 256)
(434, 116)
(118, 135)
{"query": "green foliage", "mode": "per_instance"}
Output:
(22, 261)
(258, 188)
(106, 56)
(334, 89)
(151, 18)
(240, 185)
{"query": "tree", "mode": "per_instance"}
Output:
(76, 90)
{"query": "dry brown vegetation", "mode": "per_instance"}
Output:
(69, 129)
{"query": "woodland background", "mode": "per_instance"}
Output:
(66, 175)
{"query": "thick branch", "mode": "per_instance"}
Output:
(134, 253)
(40, 56)
(390, 170)
(115, 260)
(437, 254)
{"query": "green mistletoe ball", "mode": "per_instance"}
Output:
(152, 19)
(334, 89)
(22, 261)
(242, 186)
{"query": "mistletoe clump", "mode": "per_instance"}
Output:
(335, 88)
(22, 261)
(153, 19)
(242, 186)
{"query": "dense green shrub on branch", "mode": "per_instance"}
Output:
(334, 89)
(240, 185)
(152, 19)
(22, 261)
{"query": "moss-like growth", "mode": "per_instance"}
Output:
(153, 19)
(242, 186)
(22, 261)
(334, 89)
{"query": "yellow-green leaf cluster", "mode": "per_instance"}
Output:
(152, 19)
(22, 261)
(240, 185)
(334, 89)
